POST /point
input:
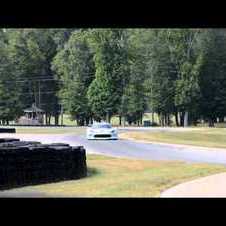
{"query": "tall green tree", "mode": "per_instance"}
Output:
(187, 58)
(134, 95)
(161, 76)
(213, 75)
(32, 51)
(61, 36)
(10, 104)
(75, 68)
(105, 91)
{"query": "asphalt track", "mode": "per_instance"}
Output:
(125, 149)
(133, 149)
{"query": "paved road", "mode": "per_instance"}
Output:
(133, 149)
(210, 186)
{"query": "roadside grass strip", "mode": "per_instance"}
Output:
(205, 137)
(118, 177)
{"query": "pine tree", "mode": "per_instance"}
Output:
(75, 67)
(105, 91)
(213, 75)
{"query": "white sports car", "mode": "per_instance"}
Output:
(101, 131)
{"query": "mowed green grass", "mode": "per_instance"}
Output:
(62, 130)
(114, 120)
(66, 120)
(146, 116)
(206, 137)
(116, 177)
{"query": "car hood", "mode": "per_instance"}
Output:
(102, 130)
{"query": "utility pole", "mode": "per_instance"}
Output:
(39, 94)
(108, 118)
(186, 119)
(35, 97)
(62, 115)
(152, 111)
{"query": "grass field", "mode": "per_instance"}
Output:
(114, 120)
(66, 121)
(147, 116)
(206, 137)
(50, 130)
(115, 177)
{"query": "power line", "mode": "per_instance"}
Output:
(38, 79)
(38, 92)
(28, 81)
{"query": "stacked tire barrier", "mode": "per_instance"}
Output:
(29, 163)
(7, 130)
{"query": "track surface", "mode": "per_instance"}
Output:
(123, 148)
(132, 149)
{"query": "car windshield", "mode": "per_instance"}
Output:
(101, 126)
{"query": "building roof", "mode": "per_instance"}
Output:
(33, 108)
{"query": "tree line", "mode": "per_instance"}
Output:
(95, 74)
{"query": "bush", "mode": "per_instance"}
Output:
(154, 124)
